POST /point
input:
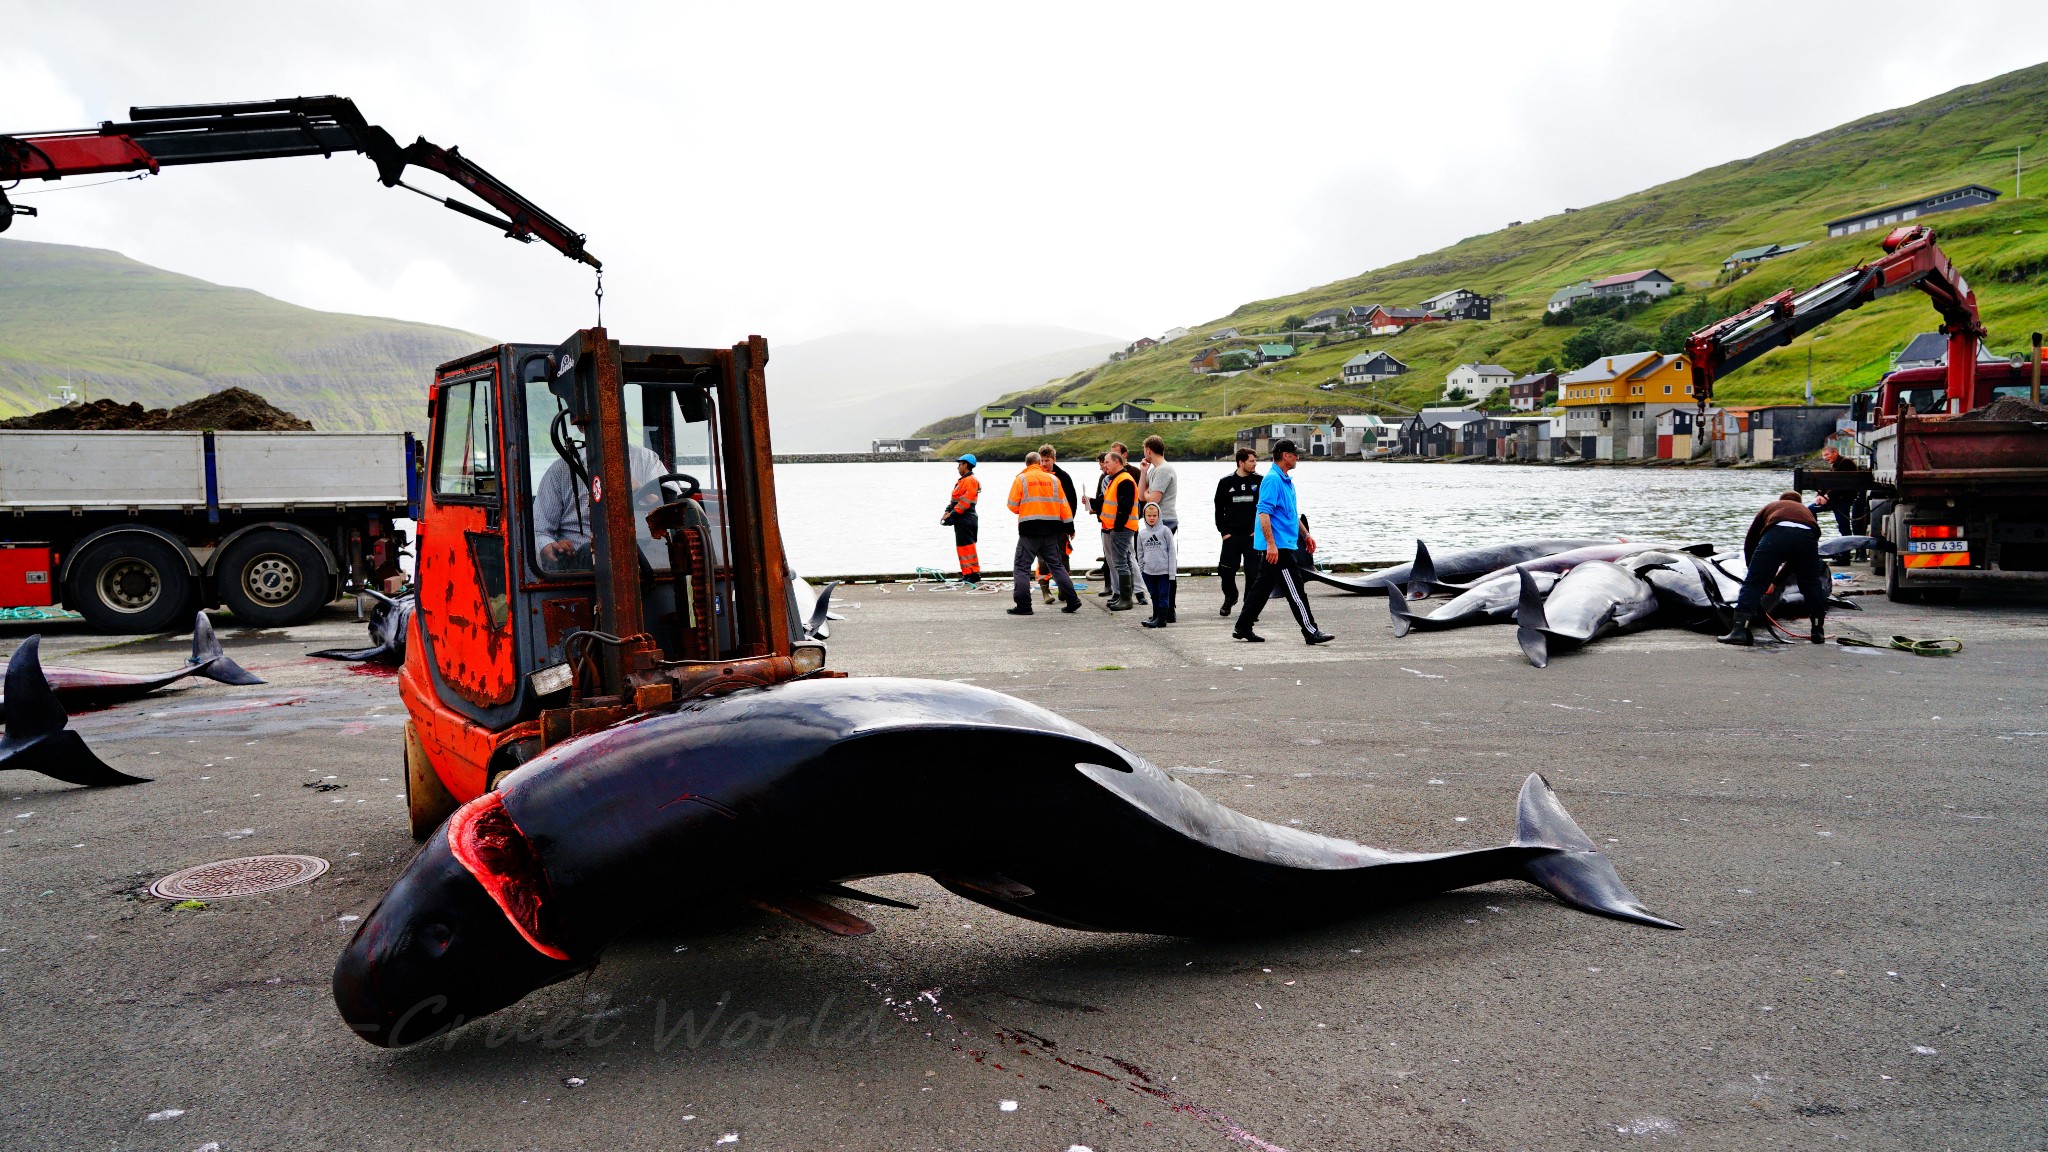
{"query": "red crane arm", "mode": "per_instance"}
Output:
(1912, 260)
(264, 129)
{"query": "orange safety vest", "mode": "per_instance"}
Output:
(1106, 513)
(1036, 495)
(965, 493)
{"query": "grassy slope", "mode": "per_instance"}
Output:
(1685, 227)
(127, 331)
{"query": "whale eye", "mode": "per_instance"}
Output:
(435, 938)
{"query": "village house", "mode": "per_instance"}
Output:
(1359, 314)
(1309, 439)
(1459, 304)
(1269, 353)
(1172, 334)
(1042, 419)
(1525, 393)
(1387, 320)
(1224, 334)
(993, 421)
(1564, 298)
(1206, 361)
(1476, 380)
(1145, 410)
(1648, 282)
(1140, 344)
(1612, 404)
(1435, 432)
(1372, 367)
(1968, 196)
(892, 447)
(1759, 254)
(1362, 434)
(1326, 319)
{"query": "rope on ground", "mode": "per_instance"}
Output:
(10, 615)
(1943, 646)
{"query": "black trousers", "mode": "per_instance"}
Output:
(1238, 552)
(1049, 553)
(1285, 577)
(1785, 546)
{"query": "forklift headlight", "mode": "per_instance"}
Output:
(551, 679)
(807, 658)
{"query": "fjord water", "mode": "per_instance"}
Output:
(851, 519)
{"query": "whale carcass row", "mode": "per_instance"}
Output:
(92, 688)
(35, 735)
(780, 796)
(1428, 571)
(1590, 601)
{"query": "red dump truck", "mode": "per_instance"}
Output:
(137, 530)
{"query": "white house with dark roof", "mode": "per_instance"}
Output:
(1459, 304)
(1648, 282)
(1324, 319)
(1476, 379)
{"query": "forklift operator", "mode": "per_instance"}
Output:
(561, 510)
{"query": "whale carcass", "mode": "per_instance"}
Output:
(1427, 572)
(92, 688)
(782, 795)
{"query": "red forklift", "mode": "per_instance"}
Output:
(598, 540)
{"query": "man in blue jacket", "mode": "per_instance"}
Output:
(1287, 549)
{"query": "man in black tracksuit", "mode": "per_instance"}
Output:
(1237, 503)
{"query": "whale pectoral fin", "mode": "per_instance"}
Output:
(1530, 623)
(820, 612)
(1573, 870)
(33, 736)
(845, 893)
(816, 913)
(993, 884)
(1397, 607)
(372, 653)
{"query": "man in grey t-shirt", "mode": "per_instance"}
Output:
(1162, 485)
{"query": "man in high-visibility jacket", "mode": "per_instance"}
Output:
(965, 520)
(1044, 517)
(1117, 511)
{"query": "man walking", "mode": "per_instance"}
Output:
(1117, 509)
(1237, 504)
(1049, 459)
(1162, 485)
(1783, 535)
(965, 520)
(1044, 521)
(1278, 532)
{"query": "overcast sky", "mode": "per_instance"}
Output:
(796, 170)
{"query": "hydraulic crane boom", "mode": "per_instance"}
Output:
(1912, 260)
(154, 138)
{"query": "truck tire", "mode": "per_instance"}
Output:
(272, 579)
(131, 583)
(427, 801)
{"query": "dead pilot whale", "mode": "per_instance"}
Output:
(90, 687)
(34, 736)
(781, 795)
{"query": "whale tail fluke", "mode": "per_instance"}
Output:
(1532, 627)
(33, 736)
(210, 661)
(1576, 872)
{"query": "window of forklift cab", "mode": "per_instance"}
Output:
(466, 442)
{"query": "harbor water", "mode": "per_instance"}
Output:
(855, 519)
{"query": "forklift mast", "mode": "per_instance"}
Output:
(598, 539)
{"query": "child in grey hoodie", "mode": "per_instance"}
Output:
(1156, 561)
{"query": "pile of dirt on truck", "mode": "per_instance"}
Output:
(2008, 408)
(229, 410)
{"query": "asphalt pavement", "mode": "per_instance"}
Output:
(1851, 839)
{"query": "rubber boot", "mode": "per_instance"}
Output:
(1739, 634)
(1819, 635)
(1120, 604)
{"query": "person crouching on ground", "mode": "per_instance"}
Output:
(1156, 557)
(1288, 549)
(1044, 520)
(1783, 535)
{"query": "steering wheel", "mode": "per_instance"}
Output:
(658, 483)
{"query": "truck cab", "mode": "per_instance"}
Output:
(598, 539)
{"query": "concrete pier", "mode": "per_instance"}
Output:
(1851, 838)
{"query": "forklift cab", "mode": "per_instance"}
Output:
(598, 538)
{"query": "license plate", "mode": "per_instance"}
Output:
(1937, 546)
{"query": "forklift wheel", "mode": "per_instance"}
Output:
(427, 801)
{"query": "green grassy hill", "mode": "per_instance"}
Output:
(125, 331)
(1686, 228)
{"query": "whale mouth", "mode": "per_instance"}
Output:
(491, 847)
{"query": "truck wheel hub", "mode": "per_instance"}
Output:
(271, 580)
(129, 585)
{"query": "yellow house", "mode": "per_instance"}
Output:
(1612, 404)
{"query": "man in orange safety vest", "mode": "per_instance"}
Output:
(1044, 520)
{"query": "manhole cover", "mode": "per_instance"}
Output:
(244, 877)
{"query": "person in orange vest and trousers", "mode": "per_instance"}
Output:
(965, 520)
(1044, 520)
(1117, 511)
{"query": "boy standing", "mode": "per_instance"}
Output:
(1156, 556)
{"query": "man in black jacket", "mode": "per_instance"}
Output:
(1049, 457)
(1237, 502)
